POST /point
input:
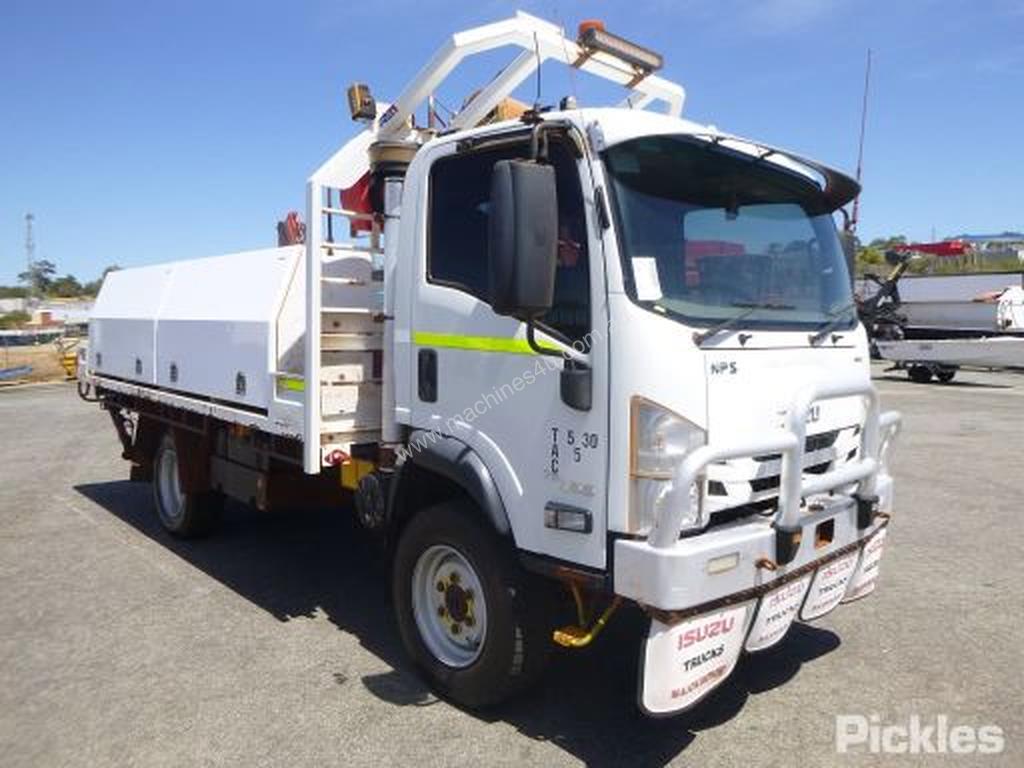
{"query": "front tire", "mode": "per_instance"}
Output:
(467, 613)
(183, 514)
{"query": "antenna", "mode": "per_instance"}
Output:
(30, 251)
(536, 51)
(860, 147)
(565, 52)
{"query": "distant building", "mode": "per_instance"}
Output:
(69, 311)
(1006, 245)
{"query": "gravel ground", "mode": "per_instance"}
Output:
(273, 642)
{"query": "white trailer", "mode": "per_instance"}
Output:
(581, 355)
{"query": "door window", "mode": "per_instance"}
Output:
(460, 187)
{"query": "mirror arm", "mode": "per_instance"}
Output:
(539, 137)
(538, 150)
(537, 347)
(575, 380)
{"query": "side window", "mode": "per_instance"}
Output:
(460, 187)
(460, 191)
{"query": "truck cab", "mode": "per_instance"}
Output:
(693, 276)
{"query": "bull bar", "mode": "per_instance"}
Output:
(793, 487)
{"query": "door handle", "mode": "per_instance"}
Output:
(426, 375)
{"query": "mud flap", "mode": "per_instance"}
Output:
(829, 586)
(863, 582)
(776, 613)
(681, 663)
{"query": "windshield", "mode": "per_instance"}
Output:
(707, 233)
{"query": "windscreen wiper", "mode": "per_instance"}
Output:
(836, 317)
(699, 337)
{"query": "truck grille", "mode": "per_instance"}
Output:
(768, 483)
(753, 483)
(813, 443)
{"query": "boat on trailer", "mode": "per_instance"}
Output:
(940, 358)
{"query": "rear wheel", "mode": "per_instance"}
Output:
(467, 613)
(920, 374)
(945, 375)
(183, 514)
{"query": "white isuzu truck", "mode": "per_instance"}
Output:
(552, 356)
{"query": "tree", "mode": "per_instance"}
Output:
(14, 319)
(93, 286)
(66, 287)
(872, 255)
(39, 275)
(883, 243)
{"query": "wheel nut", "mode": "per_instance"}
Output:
(440, 586)
(441, 611)
(454, 578)
(469, 621)
(469, 594)
(456, 629)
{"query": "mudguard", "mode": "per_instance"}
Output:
(456, 461)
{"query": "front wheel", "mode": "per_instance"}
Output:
(182, 514)
(467, 613)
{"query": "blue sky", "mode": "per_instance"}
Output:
(141, 131)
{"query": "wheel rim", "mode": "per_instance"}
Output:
(171, 498)
(448, 605)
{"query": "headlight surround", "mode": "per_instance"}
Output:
(659, 442)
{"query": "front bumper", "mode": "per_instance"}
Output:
(817, 515)
(718, 613)
(738, 559)
(740, 586)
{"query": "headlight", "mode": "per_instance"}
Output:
(659, 441)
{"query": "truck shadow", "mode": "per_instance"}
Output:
(322, 563)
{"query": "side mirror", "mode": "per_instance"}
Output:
(522, 238)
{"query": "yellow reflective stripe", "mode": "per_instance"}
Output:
(295, 385)
(478, 343)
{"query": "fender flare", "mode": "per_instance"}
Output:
(453, 459)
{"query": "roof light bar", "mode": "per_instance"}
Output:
(593, 37)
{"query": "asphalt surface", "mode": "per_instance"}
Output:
(273, 643)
